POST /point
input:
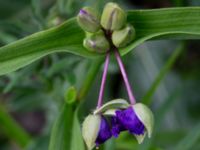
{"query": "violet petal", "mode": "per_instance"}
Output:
(82, 12)
(130, 121)
(117, 127)
(104, 132)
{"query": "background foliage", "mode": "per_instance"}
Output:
(42, 104)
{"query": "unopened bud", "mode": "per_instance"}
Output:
(88, 19)
(96, 42)
(123, 37)
(113, 17)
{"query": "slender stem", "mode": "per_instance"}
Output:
(103, 81)
(125, 77)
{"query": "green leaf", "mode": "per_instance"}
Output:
(178, 23)
(61, 132)
(182, 23)
(76, 139)
(66, 132)
(11, 128)
(67, 37)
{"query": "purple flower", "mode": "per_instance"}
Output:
(117, 127)
(137, 119)
(127, 120)
(104, 132)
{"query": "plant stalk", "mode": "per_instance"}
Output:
(103, 81)
(125, 77)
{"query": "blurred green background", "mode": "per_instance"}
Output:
(34, 95)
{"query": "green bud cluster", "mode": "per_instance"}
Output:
(113, 19)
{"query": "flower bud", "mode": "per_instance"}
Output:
(113, 17)
(95, 130)
(121, 38)
(96, 42)
(88, 19)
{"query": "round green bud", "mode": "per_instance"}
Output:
(96, 42)
(88, 19)
(123, 37)
(113, 17)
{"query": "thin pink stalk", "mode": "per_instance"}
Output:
(103, 81)
(125, 77)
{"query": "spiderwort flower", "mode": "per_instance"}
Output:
(95, 130)
(117, 127)
(88, 19)
(137, 119)
(104, 132)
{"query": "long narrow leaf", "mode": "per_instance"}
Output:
(182, 23)
(187, 142)
(76, 139)
(12, 129)
(61, 132)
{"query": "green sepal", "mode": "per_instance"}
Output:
(146, 116)
(113, 104)
(90, 129)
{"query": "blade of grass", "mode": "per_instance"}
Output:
(77, 142)
(61, 131)
(63, 123)
(12, 129)
(37, 13)
(147, 99)
(187, 142)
